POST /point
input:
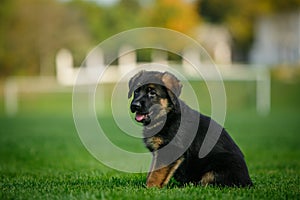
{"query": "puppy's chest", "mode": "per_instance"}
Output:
(154, 143)
(159, 139)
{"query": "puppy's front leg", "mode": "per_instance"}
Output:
(160, 175)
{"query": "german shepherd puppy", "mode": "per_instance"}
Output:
(174, 133)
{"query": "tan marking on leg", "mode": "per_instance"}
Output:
(153, 164)
(157, 177)
(160, 177)
(207, 178)
(174, 168)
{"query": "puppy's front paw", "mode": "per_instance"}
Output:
(151, 184)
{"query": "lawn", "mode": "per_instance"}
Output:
(42, 157)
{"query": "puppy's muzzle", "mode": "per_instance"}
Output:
(135, 106)
(141, 115)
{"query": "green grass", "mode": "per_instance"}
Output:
(41, 156)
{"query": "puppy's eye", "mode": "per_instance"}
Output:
(151, 92)
(136, 92)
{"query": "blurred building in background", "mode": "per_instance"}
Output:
(277, 39)
(217, 40)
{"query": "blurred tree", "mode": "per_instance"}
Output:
(31, 33)
(215, 11)
(239, 16)
(104, 22)
(178, 15)
(5, 13)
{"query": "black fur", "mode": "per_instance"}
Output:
(225, 160)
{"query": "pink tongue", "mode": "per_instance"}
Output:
(139, 117)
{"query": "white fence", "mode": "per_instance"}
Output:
(67, 73)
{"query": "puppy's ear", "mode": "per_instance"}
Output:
(133, 83)
(173, 86)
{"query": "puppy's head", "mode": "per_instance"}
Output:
(154, 93)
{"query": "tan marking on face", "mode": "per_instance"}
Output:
(152, 86)
(207, 178)
(164, 103)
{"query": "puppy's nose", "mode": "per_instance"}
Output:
(135, 106)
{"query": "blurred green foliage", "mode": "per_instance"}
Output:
(32, 31)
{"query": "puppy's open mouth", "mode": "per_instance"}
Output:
(139, 117)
